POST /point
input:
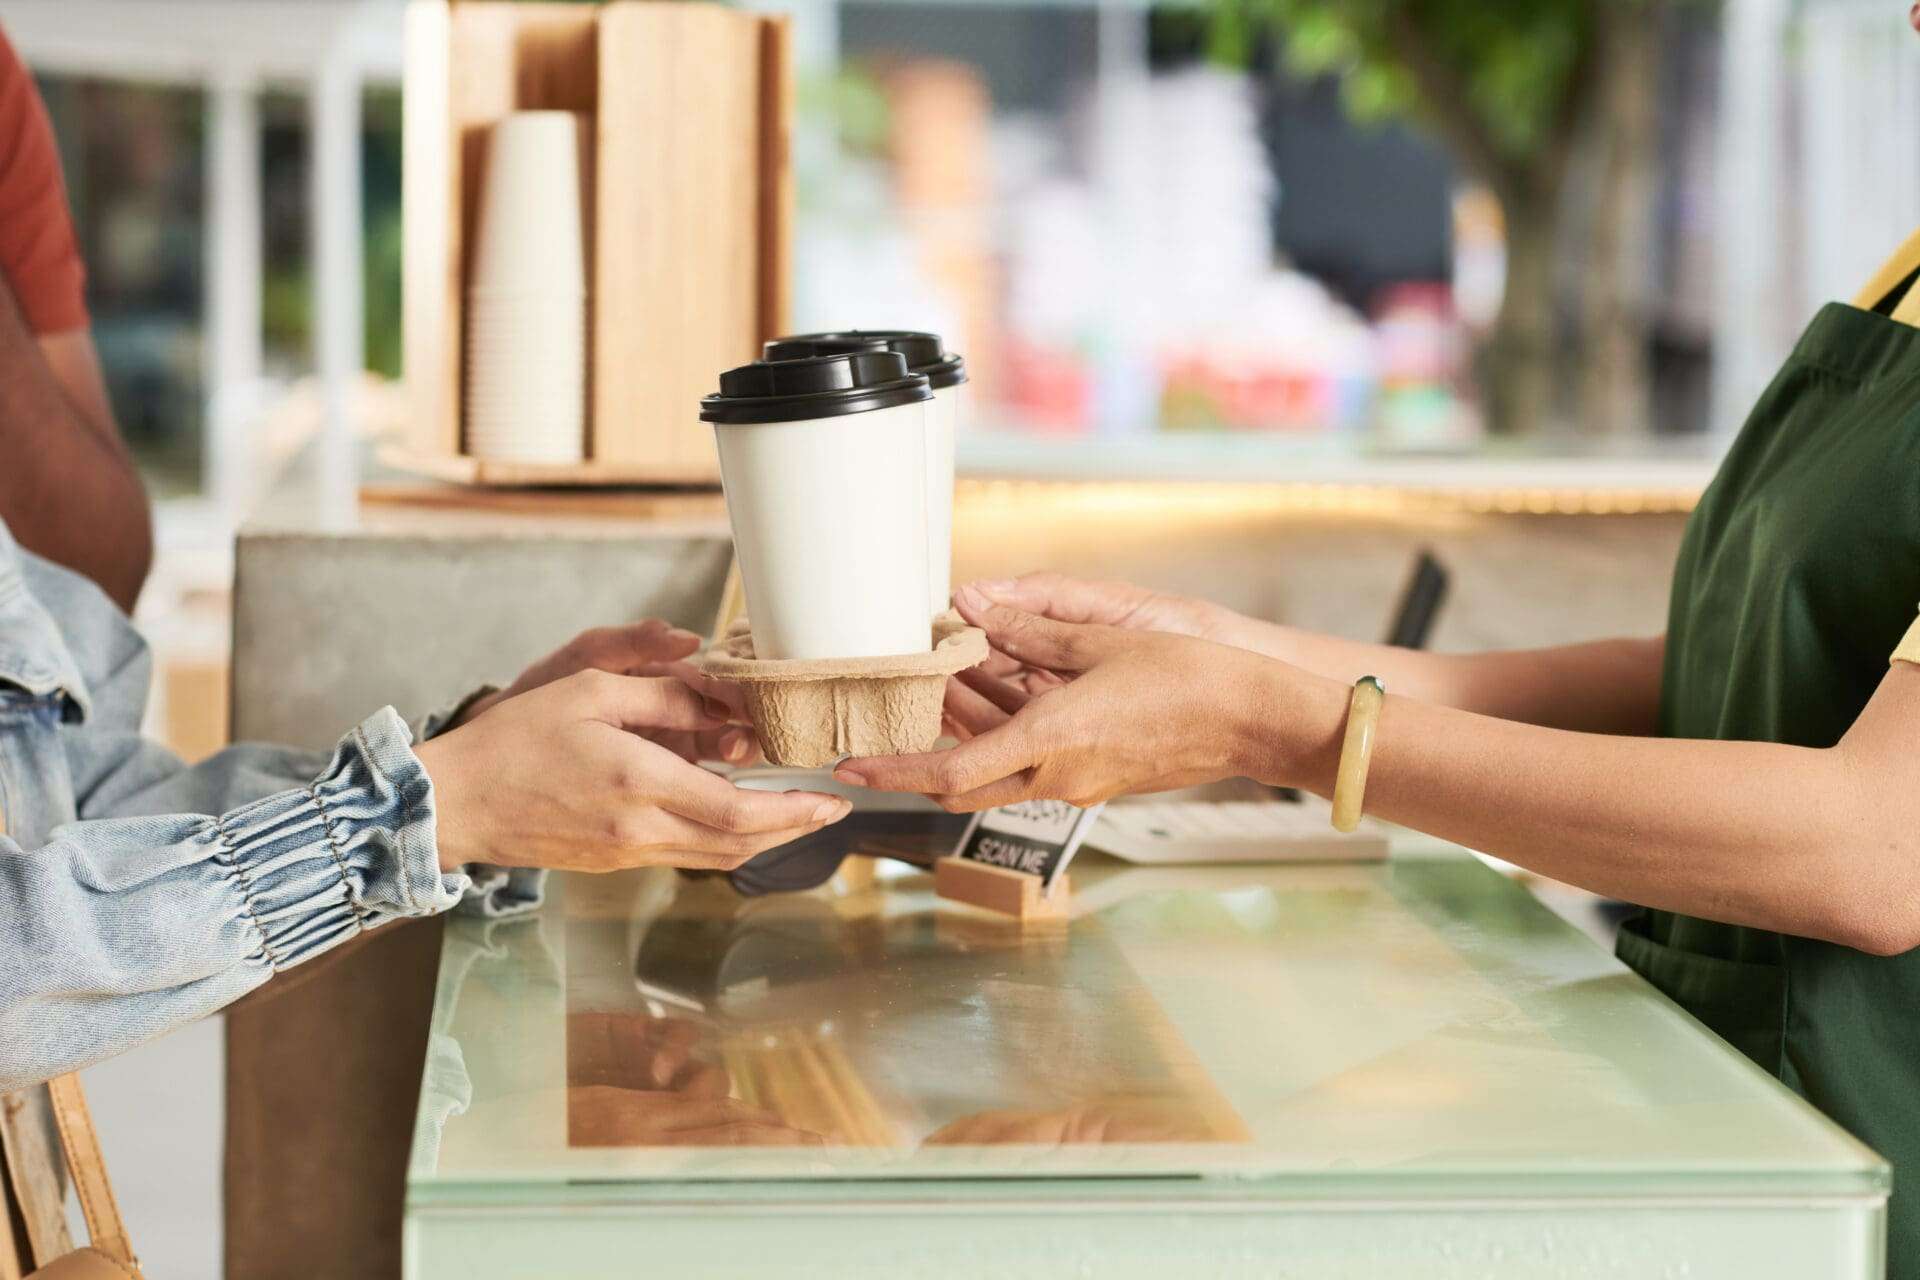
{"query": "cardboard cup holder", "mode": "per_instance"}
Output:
(809, 712)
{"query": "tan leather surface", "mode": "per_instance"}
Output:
(88, 1169)
(86, 1264)
(321, 1088)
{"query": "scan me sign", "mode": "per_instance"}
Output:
(1038, 837)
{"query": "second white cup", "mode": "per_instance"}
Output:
(946, 374)
(824, 465)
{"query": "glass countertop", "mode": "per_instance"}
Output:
(1419, 1026)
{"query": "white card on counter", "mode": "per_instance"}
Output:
(1037, 837)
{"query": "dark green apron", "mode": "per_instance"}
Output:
(1798, 575)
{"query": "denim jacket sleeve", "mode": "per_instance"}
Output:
(120, 928)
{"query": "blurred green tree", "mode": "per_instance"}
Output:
(1520, 91)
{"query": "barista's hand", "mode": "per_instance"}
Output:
(1140, 711)
(1110, 604)
(649, 648)
(565, 776)
(969, 699)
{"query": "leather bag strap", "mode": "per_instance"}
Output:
(89, 1170)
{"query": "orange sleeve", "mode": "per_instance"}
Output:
(39, 254)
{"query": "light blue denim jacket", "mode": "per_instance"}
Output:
(137, 893)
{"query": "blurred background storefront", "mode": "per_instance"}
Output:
(1267, 237)
(1253, 238)
(1542, 253)
(1250, 239)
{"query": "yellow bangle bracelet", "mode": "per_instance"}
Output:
(1356, 752)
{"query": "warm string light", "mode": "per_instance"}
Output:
(1233, 500)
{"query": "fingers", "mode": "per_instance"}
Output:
(712, 802)
(973, 764)
(622, 649)
(967, 713)
(999, 664)
(1011, 789)
(725, 692)
(733, 745)
(1032, 639)
(675, 842)
(1054, 595)
(640, 703)
(1000, 693)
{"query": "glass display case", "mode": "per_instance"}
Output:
(1341, 1069)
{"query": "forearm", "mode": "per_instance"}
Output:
(1809, 842)
(121, 929)
(1608, 686)
(68, 490)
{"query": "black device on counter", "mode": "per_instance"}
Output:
(906, 828)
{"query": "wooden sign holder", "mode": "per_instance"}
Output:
(1002, 889)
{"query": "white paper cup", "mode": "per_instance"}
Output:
(530, 238)
(944, 416)
(925, 354)
(824, 466)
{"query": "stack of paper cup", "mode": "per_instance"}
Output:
(527, 299)
(946, 372)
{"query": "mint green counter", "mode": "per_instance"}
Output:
(1330, 1071)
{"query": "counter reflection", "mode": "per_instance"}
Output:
(863, 1015)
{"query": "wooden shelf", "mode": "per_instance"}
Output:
(489, 473)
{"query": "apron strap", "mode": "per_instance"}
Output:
(89, 1170)
(1891, 275)
(1908, 312)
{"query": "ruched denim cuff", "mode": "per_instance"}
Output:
(353, 850)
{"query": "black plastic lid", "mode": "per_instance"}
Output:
(823, 386)
(924, 352)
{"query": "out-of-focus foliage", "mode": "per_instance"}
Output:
(1501, 70)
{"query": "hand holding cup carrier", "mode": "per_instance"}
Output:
(836, 453)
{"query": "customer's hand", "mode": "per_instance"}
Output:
(649, 648)
(565, 776)
(1137, 711)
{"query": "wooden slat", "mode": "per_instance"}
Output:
(430, 270)
(486, 472)
(776, 177)
(679, 218)
(34, 1169)
(467, 66)
(679, 507)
